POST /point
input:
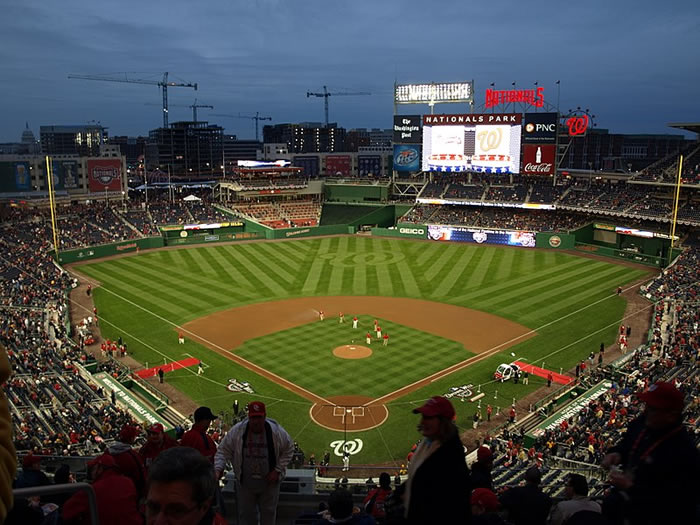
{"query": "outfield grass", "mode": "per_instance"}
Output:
(569, 300)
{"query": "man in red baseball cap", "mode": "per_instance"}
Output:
(259, 450)
(657, 461)
(129, 462)
(117, 500)
(484, 502)
(157, 441)
(438, 477)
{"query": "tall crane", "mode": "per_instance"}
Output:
(257, 118)
(326, 94)
(165, 84)
(193, 106)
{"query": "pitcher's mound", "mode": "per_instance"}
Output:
(352, 352)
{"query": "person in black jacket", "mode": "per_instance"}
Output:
(527, 505)
(438, 487)
(656, 462)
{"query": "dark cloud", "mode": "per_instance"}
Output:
(633, 63)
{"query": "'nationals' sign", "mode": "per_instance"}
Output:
(533, 97)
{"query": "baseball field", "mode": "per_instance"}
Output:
(453, 313)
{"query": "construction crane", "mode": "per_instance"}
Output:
(257, 118)
(193, 106)
(326, 94)
(165, 84)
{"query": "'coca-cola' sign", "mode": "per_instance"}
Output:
(539, 159)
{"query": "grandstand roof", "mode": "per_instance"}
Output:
(688, 126)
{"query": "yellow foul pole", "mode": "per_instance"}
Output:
(675, 207)
(52, 205)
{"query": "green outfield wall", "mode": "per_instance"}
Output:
(356, 192)
(312, 231)
(411, 231)
(106, 250)
(558, 241)
(212, 237)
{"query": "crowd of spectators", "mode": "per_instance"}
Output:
(499, 218)
(286, 214)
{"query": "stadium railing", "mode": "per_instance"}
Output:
(68, 488)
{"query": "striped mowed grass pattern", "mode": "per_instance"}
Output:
(143, 298)
(303, 356)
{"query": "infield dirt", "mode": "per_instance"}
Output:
(482, 333)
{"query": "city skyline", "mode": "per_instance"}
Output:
(631, 64)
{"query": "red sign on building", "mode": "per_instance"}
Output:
(338, 165)
(104, 175)
(539, 159)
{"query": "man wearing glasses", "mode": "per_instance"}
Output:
(181, 488)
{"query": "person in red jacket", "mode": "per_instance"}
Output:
(158, 441)
(117, 501)
(374, 501)
(129, 462)
(197, 436)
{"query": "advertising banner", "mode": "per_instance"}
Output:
(406, 158)
(479, 236)
(540, 128)
(104, 175)
(14, 176)
(407, 129)
(539, 159)
(488, 143)
(369, 165)
(65, 174)
(338, 165)
(310, 165)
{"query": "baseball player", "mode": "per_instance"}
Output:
(354, 322)
(369, 338)
(386, 340)
(181, 338)
(320, 315)
(200, 369)
(379, 332)
(341, 318)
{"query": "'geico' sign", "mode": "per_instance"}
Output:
(412, 231)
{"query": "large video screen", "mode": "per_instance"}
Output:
(488, 143)
(479, 236)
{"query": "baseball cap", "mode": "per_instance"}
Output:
(129, 433)
(436, 406)
(106, 460)
(256, 408)
(484, 453)
(204, 413)
(156, 428)
(30, 459)
(486, 498)
(663, 395)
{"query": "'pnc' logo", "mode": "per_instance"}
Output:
(412, 231)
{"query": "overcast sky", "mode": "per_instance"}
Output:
(634, 63)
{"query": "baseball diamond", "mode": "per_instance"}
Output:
(453, 312)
